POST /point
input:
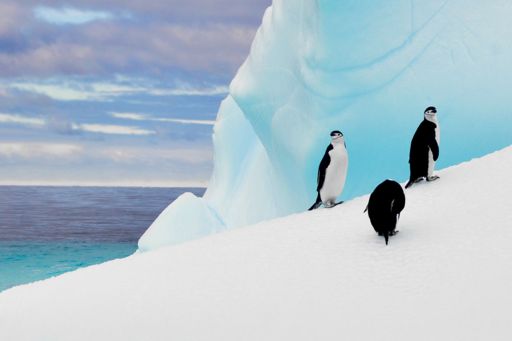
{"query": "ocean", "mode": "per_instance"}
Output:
(46, 231)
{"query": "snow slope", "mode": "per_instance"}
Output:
(321, 275)
(368, 68)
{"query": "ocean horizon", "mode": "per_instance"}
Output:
(49, 230)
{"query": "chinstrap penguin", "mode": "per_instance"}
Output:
(424, 149)
(332, 172)
(384, 206)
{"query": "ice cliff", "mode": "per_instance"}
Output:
(366, 68)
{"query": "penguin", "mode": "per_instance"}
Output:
(384, 206)
(424, 149)
(332, 172)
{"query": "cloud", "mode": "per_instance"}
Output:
(191, 91)
(93, 164)
(70, 127)
(54, 53)
(111, 129)
(143, 117)
(60, 92)
(76, 90)
(17, 119)
(130, 116)
(185, 121)
(195, 11)
(31, 150)
(181, 89)
(69, 15)
(146, 155)
(119, 154)
(153, 43)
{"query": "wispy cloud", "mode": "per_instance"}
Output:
(143, 117)
(77, 127)
(31, 150)
(182, 89)
(105, 91)
(191, 91)
(92, 163)
(17, 119)
(186, 121)
(112, 129)
(171, 57)
(130, 116)
(60, 92)
(149, 155)
(122, 154)
(69, 15)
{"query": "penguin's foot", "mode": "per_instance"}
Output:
(432, 178)
(415, 181)
(392, 233)
(331, 204)
(315, 206)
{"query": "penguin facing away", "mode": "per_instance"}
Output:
(332, 172)
(424, 149)
(384, 206)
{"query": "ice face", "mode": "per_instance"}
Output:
(368, 69)
(186, 216)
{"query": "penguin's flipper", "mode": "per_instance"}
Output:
(322, 168)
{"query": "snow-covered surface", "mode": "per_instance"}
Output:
(368, 68)
(321, 275)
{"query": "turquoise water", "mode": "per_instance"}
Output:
(47, 231)
(27, 262)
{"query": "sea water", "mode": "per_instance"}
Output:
(46, 231)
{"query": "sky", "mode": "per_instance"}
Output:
(116, 92)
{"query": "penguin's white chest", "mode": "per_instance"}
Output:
(335, 174)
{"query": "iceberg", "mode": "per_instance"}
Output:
(363, 67)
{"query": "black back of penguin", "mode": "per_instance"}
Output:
(385, 204)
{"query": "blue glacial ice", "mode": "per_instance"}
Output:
(367, 68)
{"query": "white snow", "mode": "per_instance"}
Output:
(321, 275)
(368, 68)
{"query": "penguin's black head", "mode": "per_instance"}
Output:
(431, 109)
(336, 133)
